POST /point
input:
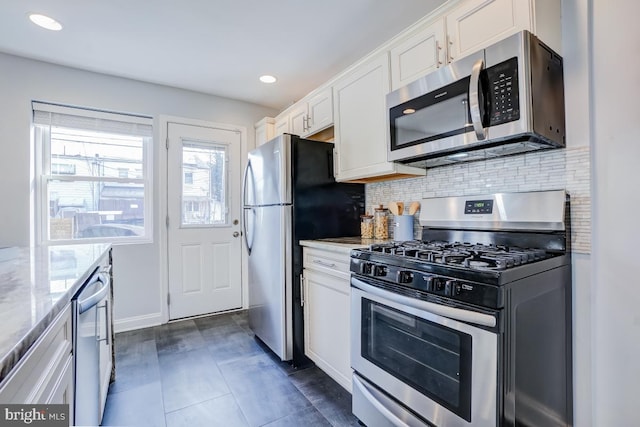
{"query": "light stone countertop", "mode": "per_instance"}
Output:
(36, 284)
(341, 244)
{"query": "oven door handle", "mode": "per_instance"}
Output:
(437, 309)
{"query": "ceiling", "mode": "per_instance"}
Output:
(211, 46)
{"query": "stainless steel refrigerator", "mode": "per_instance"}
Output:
(290, 194)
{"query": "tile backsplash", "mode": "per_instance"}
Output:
(567, 169)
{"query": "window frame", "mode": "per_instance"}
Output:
(41, 137)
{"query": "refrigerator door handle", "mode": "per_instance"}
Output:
(248, 241)
(247, 169)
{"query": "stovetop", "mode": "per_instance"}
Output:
(473, 273)
(476, 256)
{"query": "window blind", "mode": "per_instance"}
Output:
(92, 120)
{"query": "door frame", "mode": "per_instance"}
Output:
(161, 191)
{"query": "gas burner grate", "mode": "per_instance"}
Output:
(474, 256)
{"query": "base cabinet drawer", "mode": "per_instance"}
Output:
(45, 373)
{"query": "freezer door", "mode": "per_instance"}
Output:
(270, 279)
(268, 173)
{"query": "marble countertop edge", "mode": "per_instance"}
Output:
(11, 357)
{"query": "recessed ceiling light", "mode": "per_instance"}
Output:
(268, 79)
(409, 111)
(45, 22)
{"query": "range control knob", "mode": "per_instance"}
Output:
(450, 287)
(438, 284)
(379, 270)
(404, 276)
(424, 282)
(456, 289)
(366, 268)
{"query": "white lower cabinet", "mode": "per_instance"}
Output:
(45, 372)
(327, 313)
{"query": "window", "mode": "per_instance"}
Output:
(204, 190)
(188, 177)
(85, 190)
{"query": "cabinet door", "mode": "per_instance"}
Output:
(327, 325)
(418, 55)
(479, 23)
(361, 120)
(320, 108)
(282, 125)
(264, 130)
(298, 119)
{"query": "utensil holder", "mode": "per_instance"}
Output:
(403, 228)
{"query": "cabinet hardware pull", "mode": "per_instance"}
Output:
(325, 264)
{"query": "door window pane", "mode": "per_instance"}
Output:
(204, 185)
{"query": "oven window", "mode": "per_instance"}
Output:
(431, 358)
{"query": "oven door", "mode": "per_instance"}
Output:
(429, 357)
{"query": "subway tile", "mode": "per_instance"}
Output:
(545, 170)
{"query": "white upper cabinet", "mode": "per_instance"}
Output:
(468, 27)
(476, 24)
(418, 55)
(298, 118)
(361, 124)
(308, 116)
(265, 130)
(282, 124)
(320, 107)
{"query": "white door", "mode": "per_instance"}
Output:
(204, 220)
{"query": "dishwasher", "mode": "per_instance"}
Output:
(91, 330)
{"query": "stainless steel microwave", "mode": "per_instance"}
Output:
(505, 99)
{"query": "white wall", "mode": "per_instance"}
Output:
(137, 268)
(615, 127)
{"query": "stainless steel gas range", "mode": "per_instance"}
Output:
(471, 326)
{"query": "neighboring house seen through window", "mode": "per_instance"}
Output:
(83, 158)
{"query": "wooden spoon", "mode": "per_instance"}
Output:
(413, 207)
(393, 208)
(400, 208)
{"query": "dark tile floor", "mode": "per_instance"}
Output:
(211, 371)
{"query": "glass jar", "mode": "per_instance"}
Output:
(366, 226)
(381, 223)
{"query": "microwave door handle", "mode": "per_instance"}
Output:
(474, 100)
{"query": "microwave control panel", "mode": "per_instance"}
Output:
(502, 92)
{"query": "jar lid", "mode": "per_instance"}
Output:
(365, 216)
(381, 208)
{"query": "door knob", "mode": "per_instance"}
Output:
(236, 234)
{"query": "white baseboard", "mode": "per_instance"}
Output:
(137, 322)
